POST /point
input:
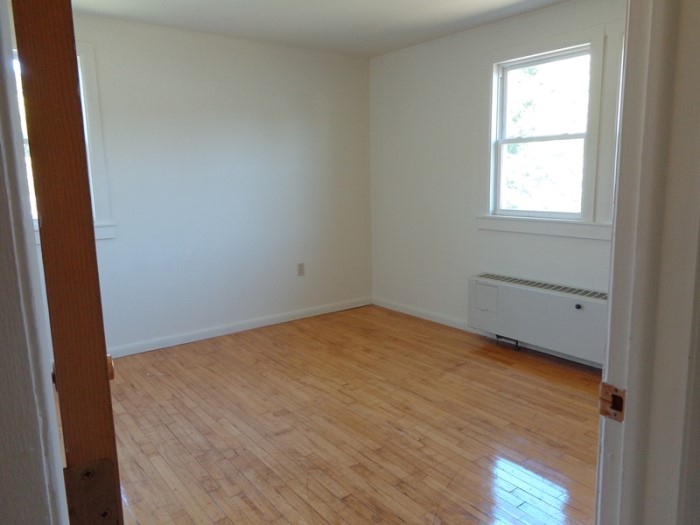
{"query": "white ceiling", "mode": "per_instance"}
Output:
(355, 27)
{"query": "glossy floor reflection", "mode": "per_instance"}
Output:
(526, 496)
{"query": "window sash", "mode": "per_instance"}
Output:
(500, 139)
(500, 209)
(542, 138)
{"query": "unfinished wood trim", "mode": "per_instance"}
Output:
(46, 49)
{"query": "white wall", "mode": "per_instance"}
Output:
(229, 162)
(429, 136)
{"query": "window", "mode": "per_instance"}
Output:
(99, 189)
(23, 120)
(541, 157)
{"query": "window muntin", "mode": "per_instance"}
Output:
(539, 150)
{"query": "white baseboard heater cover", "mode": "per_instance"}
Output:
(569, 322)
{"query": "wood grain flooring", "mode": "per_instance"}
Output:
(358, 417)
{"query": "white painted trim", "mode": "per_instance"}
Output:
(690, 470)
(676, 315)
(535, 226)
(249, 324)
(624, 451)
(99, 180)
(102, 231)
(105, 231)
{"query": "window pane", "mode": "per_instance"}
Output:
(542, 176)
(23, 122)
(550, 98)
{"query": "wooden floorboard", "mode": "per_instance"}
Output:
(358, 417)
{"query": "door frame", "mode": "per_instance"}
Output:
(31, 482)
(55, 127)
(655, 266)
(640, 256)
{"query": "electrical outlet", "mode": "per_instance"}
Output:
(301, 269)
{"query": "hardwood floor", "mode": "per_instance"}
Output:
(359, 417)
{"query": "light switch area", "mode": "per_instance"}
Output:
(301, 269)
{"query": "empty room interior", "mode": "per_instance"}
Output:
(354, 278)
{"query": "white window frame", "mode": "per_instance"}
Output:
(546, 50)
(92, 120)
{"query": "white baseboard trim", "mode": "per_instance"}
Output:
(424, 314)
(216, 331)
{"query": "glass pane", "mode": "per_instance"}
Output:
(23, 122)
(548, 99)
(542, 176)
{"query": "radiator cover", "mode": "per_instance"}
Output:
(566, 321)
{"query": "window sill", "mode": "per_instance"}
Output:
(104, 230)
(557, 228)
